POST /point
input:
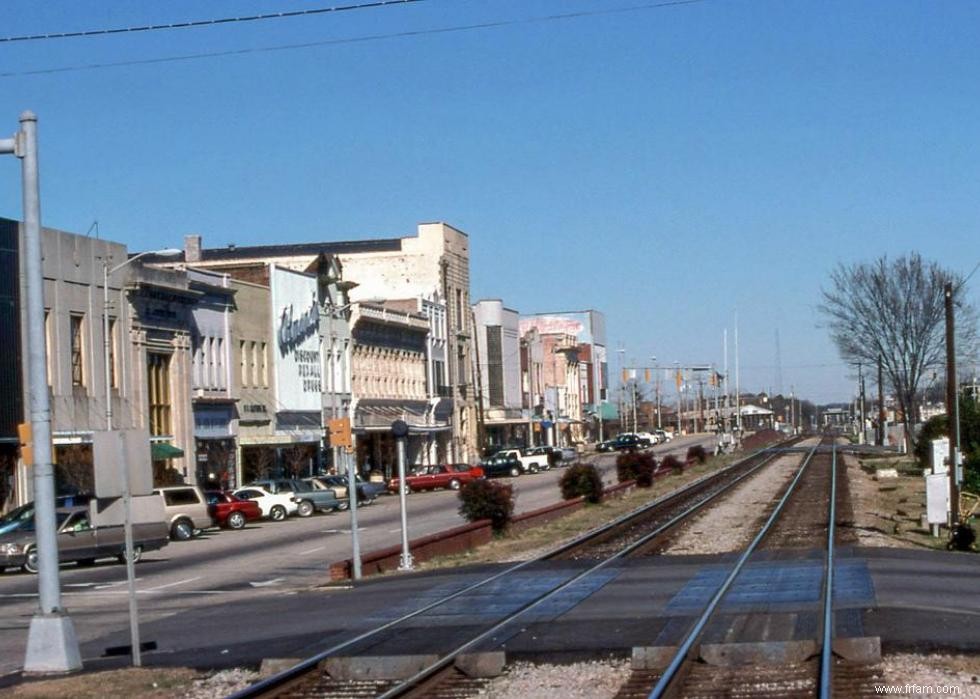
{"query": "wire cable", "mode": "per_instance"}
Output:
(352, 40)
(204, 22)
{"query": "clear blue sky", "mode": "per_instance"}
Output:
(665, 166)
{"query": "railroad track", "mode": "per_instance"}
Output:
(638, 533)
(771, 650)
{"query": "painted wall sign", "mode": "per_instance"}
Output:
(296, 318)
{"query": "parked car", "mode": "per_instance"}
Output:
(12, 519)
(451, 476)
(308, 499)
(502, 465)
(531, 463)
(630, 442)
(370, 489)
(230, 511)
(275, 506)
(651, 437)
(78, 540)
(186, 509)
(608, 445)
(367, 492)
(665, 435)
(569, 455)
(553, 454)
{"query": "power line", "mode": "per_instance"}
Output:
(204, 22)
(351, 40)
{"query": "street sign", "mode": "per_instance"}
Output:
(340, 434)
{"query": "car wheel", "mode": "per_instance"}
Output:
(454, 484)
(515, 471)
(344, 505)
(236, 520)
(534, 468)
(30, 560)
(304, 508)
(408, 488)
(137, 555)
(85, 562)
(277, 513)
(182, 530)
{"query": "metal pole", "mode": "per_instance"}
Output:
(406, 557)
(951, 406)
(127, 495)
(881, 404)
(354, 536)
(738, 390)
(51, 642)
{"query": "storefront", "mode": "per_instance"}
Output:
(215, 453)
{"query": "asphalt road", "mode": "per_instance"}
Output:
(264, 559)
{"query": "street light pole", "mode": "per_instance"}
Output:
(349, 460)
(127, 494)
(52, 645)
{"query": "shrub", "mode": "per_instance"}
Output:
(581, 479)
(483, 499)
(697, 453)
(636, 466)
(673, 463)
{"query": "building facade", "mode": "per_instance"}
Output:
(588, 330)
(498, 359)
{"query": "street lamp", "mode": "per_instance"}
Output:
(656, 376)
(124, 468)
(332, 309)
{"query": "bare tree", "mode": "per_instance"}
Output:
(894, 309)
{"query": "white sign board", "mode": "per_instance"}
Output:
(937, 497)
(940, 455)
(296, 329)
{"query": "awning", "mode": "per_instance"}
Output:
(161, 450)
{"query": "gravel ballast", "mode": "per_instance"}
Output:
(593, 680)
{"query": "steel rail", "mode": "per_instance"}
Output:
(408, 684)
(666, 498)
(294, 672)
(826, 654)
(695, 633)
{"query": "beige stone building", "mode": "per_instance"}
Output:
(429, 271)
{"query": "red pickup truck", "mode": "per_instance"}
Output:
(450, 476)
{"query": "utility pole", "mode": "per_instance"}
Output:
(952, 405)
(738, 390)
(52, 645)
(881, 404)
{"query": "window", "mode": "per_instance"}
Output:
(243, 357)
(459, 310)
(47, 344)
(219, 363)
(181, 497)
(158, 390)
(254, 363)
(77, 354)
(495, 366)
(112, 354)
(264, 357)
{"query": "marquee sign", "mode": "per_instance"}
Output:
(296, 319)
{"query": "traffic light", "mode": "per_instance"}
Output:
(340, 435)
(26, 438)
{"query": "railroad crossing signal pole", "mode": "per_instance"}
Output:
(952, 407)
(399, 430)
(51, 642)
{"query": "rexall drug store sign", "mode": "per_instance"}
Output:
(295, 326)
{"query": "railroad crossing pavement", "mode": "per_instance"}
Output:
(912, 599)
